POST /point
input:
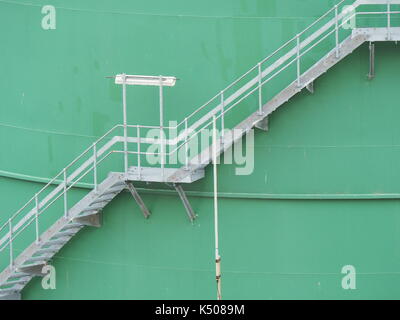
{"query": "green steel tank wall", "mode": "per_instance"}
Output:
(323, 192)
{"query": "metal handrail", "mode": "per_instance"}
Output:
(254, 85)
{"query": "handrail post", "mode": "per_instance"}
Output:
(298, 61)
(162, 126)
(125, 123)
(138, 151)
(222, 116)
(337, 32)
(11, 244)
(260, 112)
(388, 21)
(37, 208)
(186, 144)
(65, 194)
(95, 166)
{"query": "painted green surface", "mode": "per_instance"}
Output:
(344, 139)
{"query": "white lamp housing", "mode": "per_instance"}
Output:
(146, 80)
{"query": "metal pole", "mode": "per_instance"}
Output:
(161, 103)
(337, 32)
(222, 116)
(162, 126)
(65, 194)
(125, 123)
(138, 150)
(260, 112)
(95, 166)
(37, 218)
(11, 244)
(388, 20)
(298, 61)
(186, 145)
(217, 256)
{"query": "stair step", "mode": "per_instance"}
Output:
(44, 258)
(34, 264)
(5, 292)
(112, 190)
(62, 234)
(47, 250)
(19, 275)
(60, 241)
(14, 282)
(72, 226)
(93, 208)
(121, 183)
(103, 199)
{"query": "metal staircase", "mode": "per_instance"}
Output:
(52, 217)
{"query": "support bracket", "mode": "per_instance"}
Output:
(93, 220)
(138, 199)
(310, 87)
(371, 73)
(262, 124)
(185, 201)
(35, 270)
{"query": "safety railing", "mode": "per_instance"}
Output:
(294, 57)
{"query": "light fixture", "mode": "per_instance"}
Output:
(157, 81)
(145, 80)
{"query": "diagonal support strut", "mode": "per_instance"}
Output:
(371, 73)
(186, 203)
(138, 199)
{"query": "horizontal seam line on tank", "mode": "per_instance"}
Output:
(225, 271)
(229, 195)
(254, 147)
(47, 131)
(162, 15)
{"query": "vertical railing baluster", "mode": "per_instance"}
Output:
(260, 112)
(162, 152)
(37, 218)
(95, 166)
(125, 124)
(298, 61)
(65, 194)
(222, 116)
(186, 145)
(161, 94)
(11, 243)
(138, 151)
(388, 21)
(337, 31)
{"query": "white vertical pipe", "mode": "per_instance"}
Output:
(217, 256)
(222, 115)
(95, 166)
(125, 123)
(138, 150)
(37, 218)
(298, 61)
(11, 243)
(260, 112)
(65, 194)
(388, 20)
(162, 127)
(186, 144)
(337, 32)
